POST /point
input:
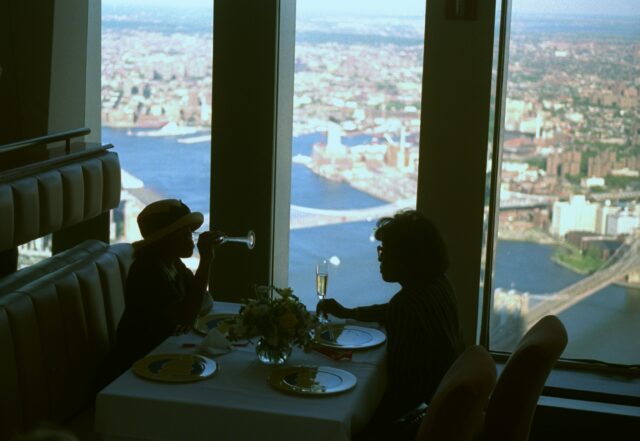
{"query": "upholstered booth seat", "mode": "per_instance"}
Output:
(21, 278)
(48, 200)
(57, 322)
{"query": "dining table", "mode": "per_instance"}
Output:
(238, 402)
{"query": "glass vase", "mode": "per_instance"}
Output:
(273, 355)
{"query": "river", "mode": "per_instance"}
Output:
(604, 326)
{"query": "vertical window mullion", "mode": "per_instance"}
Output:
(283, 143)
(245, 137)
(496, 167)
(454, 141)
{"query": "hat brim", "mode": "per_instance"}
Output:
(193, 220)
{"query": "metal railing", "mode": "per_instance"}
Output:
(10, 171)
(65, 136)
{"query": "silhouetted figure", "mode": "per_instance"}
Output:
(423, 333)
(8, 261)
(163, 297)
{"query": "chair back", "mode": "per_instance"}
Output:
(455, 411)
(514, 399)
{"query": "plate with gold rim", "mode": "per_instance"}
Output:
(349, 337)
(208, 322)
(175, 368)
(312, 380)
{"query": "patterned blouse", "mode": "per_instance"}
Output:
(424, 339)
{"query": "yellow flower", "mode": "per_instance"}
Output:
(288, 321)
(284, 292)
(224, 326)
(279, 319)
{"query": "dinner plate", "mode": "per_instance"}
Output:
(349, 337)
(312, 380)
(175, 368)
(208, 322)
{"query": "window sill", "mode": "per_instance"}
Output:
(613, 388)
(596, 387)
(589, 406)
(564, 419)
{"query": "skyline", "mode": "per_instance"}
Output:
(563, 93)
(629, 8)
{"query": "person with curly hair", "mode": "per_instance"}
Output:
(424, 337)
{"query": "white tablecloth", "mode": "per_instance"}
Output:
(237, 403)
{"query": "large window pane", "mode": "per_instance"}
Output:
(356, 128)
(568, 219)
(156, 104)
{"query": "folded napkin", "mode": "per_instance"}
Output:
(334, 354)
(215, 343)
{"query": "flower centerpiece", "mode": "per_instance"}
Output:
(278, 319)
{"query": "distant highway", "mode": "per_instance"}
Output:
(614, 196)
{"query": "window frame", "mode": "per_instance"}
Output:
(457, 69)
(252, 67)
(496, 168)
(579, 368)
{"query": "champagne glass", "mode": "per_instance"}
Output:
(249, 240)
(322, 278)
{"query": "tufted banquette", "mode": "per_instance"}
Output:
(55, 331)
(35, 204)
(57, 317)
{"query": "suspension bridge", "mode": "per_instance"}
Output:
(625, 260)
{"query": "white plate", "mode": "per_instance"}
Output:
(312, 380)
(175, 368)
(206, 323)
(350, 337)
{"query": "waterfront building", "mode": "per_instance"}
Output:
(575, 215)
(604, 211)
(623, 222)
(335, 148)
(331, 159)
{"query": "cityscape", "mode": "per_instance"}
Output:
(571, 121)
(570, 169)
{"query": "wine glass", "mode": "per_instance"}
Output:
(322, 278)
(249, 240)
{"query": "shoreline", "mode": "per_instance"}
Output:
(180, 130)
(570, 267)
(530, 235)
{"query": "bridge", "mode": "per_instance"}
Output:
(511, 200)
(306, 217)
(512, 314)
(621, 263)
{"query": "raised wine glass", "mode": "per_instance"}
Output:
(322, 278)
(249, 240)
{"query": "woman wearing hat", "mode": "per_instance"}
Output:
(163, 297)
